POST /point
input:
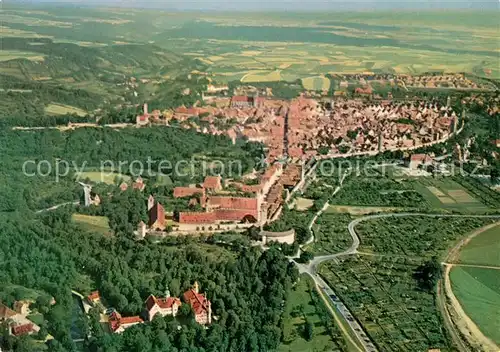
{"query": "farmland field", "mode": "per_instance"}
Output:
(316, 83)
(447, 193)
(6, 55)
(483, 249)
(61, 109)
(262, 46)
(478, 290)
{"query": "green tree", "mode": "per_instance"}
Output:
(308, 330)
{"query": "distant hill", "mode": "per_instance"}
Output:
(75, 63)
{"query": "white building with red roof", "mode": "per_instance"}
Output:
(202, 307)
(119, 324)
(142, 120)
(162, 306)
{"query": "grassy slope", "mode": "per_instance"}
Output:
(478, 290)
(97, 224)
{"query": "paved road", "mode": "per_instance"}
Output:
(311, 270)
(57, 206)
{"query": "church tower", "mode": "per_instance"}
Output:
(151, 202)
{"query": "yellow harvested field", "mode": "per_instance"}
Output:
(11, 32)
(262, 77)
(102, 20)
(250, 53)
(6, 55)
(316, 83)
(436, 191)
(205, 61)
(461, 196)
(60, 109)
(216, 58)
(80, 43)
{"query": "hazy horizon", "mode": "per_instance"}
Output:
(283, 5)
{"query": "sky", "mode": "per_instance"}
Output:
(286, 5)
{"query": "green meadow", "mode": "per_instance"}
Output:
(478, 291)
(483, 249)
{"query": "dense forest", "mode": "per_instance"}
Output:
(51, 254)
(90, 148)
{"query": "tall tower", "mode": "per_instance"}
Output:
(448, 102)
(151, 202)
(145, 108)
(256, 99)
(380, 142)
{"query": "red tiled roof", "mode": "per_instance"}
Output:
(138, 184)
(181, 110)
(163, 303)
(197, 218)
(421, 158)
(130, 320)
(234, 203)
(123, 186)
(157, 213)
(197, 301)
(240, 98)
(116, 320)
(235, 215)
(94, 295)
(295, 152)
(181, 192)
(212, 182)
(18, 330)
(188, 111)
(367, 90)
